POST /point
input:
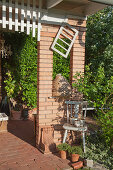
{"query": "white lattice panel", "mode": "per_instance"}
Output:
(23, 14)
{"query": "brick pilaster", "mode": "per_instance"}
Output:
(77, 57)
(50, 117)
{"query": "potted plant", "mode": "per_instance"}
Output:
(63, 147)
(75, 152)
(11, 89)
(16, 112)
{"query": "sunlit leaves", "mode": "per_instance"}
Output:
(23, 68)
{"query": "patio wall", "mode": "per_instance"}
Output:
(50, 117)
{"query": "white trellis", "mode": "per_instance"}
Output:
(21, 17)
(26, 17)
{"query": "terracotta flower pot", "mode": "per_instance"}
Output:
(63, 154)
(16, 115)
(74, 157)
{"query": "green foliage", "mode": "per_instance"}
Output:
(63, 146)
(28, 67)
(61, 64)
(23, 67)
(98, 90)
(106, 121)
(97, 150)
(98, 82)
(10, 85)
(99, 41)
(75, 150)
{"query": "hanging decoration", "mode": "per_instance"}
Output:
(5, 51)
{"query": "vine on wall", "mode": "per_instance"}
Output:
(22, 66)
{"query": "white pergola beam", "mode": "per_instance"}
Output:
(52, 3)
(106, 2)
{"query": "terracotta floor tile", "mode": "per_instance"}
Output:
(18, 152)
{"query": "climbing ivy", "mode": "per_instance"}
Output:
(23, 67)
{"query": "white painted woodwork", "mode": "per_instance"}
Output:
(10, 14)
(33, 19)
(4, 14)
(3, 117)
(28, 17)
(107, 2)
(72, 38)
(16, 15)
(29, 13)
(22, 16)
(52, 3)
(39, 20)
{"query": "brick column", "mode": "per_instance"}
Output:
(44, 136)
(77, 56)
(50, 116)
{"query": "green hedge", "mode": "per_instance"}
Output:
(23, 67)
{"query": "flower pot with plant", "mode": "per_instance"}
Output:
(75, 152)
(16, 112)
(11, 89)
(63, 147)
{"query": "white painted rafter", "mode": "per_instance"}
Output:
(4, 14)
(16, 15)
(33, 19)
(22, 16)
(52, 3)
(39, 20)
(10, 15)
(28, 17)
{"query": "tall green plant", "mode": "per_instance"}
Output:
(99, 41)
(10, 85)
(97, 89)
(23, 67)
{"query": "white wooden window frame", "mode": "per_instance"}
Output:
(60, 32)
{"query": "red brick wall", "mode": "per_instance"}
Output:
(50, 110)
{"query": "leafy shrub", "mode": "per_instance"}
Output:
(63, 146)
(97, 150)
(22, 66)
(106, 120)
(75, 150)
(10, 85)
(99, 90)
(99, 41)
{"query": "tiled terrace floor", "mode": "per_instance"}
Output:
(18, 152)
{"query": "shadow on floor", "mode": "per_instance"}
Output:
(23, 129)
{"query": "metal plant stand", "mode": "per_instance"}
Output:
(75, 123)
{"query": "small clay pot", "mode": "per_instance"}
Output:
(74, 157)
(16, 115)
(63, 154)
